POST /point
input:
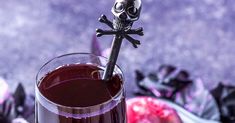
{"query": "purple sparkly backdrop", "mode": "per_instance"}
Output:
(197, 35)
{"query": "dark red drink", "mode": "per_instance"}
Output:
(75, 93)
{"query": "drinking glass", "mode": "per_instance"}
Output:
(49, 111)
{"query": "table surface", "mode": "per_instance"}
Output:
(195, 35)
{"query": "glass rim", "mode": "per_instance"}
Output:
(77, 107)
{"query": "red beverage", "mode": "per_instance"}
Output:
(76, 93)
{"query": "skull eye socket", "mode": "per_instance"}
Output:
(119, 7)
(132, 11)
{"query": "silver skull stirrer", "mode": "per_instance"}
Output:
(125, 13)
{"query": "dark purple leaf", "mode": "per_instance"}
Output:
(19, 97)
(95, 47)
(225, 98)
(7, 111)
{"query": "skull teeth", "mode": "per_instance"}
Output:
(121, 25)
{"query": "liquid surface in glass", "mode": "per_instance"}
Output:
(80, 86)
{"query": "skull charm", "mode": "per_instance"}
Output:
(125, 13)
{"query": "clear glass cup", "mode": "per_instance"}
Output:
(49, 111)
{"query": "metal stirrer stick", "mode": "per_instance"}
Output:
(125, 13)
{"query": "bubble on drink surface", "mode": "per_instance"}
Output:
(97, 74)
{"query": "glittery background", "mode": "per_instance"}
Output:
(197, 35)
